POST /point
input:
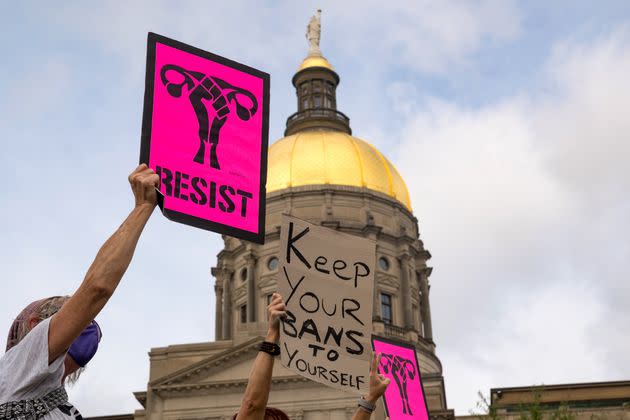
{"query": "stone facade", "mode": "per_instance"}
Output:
(207, 381)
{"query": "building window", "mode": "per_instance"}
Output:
(243, 311)
(244, 274)
(317, 86)
(386, 308)
(272, 263)
(317, 101)
(269, 296)
(305, 103)
(383, 263)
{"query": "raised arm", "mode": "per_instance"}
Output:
(108, 267)
(378, 385)
(259, 384)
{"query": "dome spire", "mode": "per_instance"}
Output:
(316, 89)
(313, 34)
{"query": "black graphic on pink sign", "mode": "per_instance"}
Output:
(402, 370)
(202, 91)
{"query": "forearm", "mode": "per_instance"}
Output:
(259, 384)
(114, 257)
(100, 282)
(361, 414)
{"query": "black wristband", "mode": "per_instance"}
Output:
(271, 348)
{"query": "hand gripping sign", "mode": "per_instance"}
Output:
(404, 397)
(205, 132)
(326, 278)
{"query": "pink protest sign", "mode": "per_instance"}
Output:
(404, 397)
(205, 132)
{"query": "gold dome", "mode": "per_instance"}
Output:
(315, 61)
(332, 157)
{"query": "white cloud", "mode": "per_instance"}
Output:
(524, 204)
(376, 42)
(228, 28)
(426, 36)
(539, 337)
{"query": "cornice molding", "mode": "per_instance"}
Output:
(388, 281)
(141, 397)
(267, 281)
(273, 234)
(170, 390)
(239, 292)
(250, 257)
(359, 192)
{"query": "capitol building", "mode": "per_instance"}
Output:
(318, 172)
(321, 173)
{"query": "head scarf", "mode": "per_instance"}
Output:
(43, 308)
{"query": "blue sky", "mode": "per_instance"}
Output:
(507, 119)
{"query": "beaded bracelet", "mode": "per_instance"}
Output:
(366, 405)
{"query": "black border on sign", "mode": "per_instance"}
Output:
(415, 355)
(147, 121)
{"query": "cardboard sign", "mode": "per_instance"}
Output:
(404, 397)
(205, 132)
(326, 279)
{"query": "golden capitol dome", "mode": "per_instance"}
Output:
(318, 147)
(320, 157)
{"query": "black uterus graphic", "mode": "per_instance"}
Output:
(402, 370)
(204, 91)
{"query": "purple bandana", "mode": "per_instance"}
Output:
(84, 347)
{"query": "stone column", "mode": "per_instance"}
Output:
(407, 308)
(217, 273)
(218, 311)
(251, 288)
(227, 305)
(376, 311)
(425, 306)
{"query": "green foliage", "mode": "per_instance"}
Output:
(488, 411)
(533, 410)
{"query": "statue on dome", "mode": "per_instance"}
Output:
(313, 33)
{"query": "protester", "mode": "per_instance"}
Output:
(254, 404)
(53, 338)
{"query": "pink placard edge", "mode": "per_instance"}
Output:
(415, 355)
